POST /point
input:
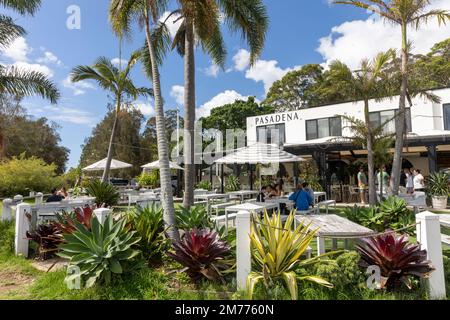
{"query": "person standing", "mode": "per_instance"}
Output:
(362, 184)
(419, 181)
(383, 180)
(409, 181)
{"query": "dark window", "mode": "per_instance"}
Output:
(322, 128)
(447, 116)
(273, 134)
(387, 118)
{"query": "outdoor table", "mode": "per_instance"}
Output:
(253, 207)
(209, 197)
(317, 195)
(334, 227)
(417, 200)
(281, 200)
(243, 193)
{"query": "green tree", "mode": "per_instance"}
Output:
(404, 13)
(122, 14)
(116, 81)
(433, 69)
(201, 25)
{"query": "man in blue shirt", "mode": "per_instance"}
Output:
(302, 199)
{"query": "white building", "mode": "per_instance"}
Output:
(320, 132)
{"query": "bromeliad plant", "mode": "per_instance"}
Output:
(66, 220)
(277, 252)
(148, 223)
(203, 255)
(105, 194)
(48, 237)
(101, 252)
(399, 260)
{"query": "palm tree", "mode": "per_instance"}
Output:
(371, 81)
(201, 25)
(404, 13)
(15, 81)
(116, 81)
(122, 14)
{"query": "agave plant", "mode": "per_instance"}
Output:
(394, 208)
(105, 194)
(101, 252)
(193, 218)
(277, 251)
(398, 259)
(48, 237)
(202, 254)
(66, 220)
(149, 225)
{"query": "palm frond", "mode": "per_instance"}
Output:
(22, 6)
(9, 31)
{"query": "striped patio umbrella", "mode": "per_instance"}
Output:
(115, 165)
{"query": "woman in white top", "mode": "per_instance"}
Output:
(419, 180)
(409, 181)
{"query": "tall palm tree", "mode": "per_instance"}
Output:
(116, 81)
(404, 13)
(371, 81)
(202, 25)
(122, 14)
(15, 81)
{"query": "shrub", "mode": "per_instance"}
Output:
(21, 175)
(205, 185)
(148, 223)
(193, 218)
(438, 184)
(66, 221)
(276, 251)
(105, 194)
(202, 254)
(232, 184)
(398, 259)
(100, 253)
(149, 179)
(7, 233)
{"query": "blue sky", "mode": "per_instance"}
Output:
(301, 32)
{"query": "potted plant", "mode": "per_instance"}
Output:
(438, 189)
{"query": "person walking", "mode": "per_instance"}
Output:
(419, 180)
(362, 184)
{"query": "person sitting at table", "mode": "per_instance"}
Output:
(63, 192)
(308, 189)
(302, 199)
(272, 191)
(55, 197)
(279, 190)
(262, 195)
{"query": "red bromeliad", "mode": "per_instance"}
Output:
(82, 215)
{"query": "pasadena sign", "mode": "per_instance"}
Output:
(277, 118)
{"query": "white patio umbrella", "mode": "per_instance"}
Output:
(259, 153)
(115, 165)
(156, 165)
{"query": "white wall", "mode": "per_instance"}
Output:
(425, 116)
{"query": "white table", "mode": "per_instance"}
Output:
(243, 193)
(210, 197)
(253, 207)
(282, 200)
(417, 199)
(318, 194)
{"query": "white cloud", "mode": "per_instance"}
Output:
(212, 71)
(78, 88)
(267, 72)
(64, 114)
(118, 61)
(173, 23)
(25, 66)
(223, 98)
(18, 50)
(49, 58)
(177, 92)
(353, 41)
(241, 60)
(146, 108)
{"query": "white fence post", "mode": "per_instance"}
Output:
(243, 250)
(39, 198)
(22, 226)
(429, 237)
(18, 199)
(6, 211)
(102, 214)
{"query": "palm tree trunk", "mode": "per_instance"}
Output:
(370, 157)
(107, 170)
(189, 116)
(163, 148)
(400, 120)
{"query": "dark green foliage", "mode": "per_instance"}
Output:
(232, 184)
(205, 185)
(438, 184)
(104, 193)
(7, 233)
(194, 218)
(149, 226)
